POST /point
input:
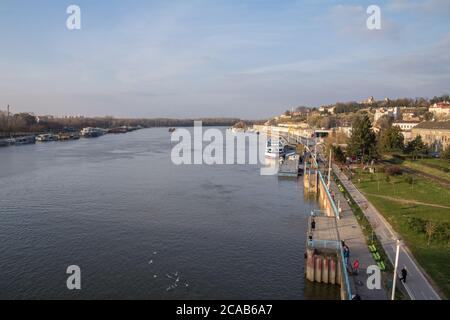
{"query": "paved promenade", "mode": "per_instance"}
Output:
(417, 284)
(350, 232)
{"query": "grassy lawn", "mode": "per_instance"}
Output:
(409, 219)
(420, 189)
(436, 167)
(439, 168)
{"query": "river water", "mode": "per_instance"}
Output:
(133, 222)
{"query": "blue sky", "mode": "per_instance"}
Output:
(193, 58)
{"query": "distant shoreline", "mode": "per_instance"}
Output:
(26, 124)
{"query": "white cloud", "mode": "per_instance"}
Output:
(350, 21)
(307, 66)
(441, 7)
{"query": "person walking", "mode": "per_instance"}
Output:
(346, 255)
(313, 224)
(404, 274)
(356, 267)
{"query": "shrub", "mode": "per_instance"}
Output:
(417, 224)
(442, 233)
(409, 179)
(394, 171)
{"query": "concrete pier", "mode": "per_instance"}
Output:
(289, 167)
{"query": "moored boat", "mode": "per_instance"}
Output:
(25, 140)
(66, 136)
(274, 149)
(46, 137)
(123, 129)
(92, 132)
(4, 143)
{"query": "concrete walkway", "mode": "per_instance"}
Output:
(350, 232)
(417, 284)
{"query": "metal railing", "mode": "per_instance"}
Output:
(339, 246)
(324, 244)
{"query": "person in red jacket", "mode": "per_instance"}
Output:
(356, 267)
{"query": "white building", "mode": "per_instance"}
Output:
(391, 112)
(440, 109)
(406, 127)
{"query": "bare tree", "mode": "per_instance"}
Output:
(430, 229)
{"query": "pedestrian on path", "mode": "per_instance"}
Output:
(404, 274)
(346, 255)
(313, 224)
(356, 267)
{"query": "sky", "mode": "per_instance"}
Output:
(217, 58)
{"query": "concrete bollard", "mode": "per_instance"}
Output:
(332, 273)
(338, 271)
(318, 269)
(325, 269)
(310, 265)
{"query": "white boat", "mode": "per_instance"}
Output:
(92, 132)
(274, 149)
(46, 137)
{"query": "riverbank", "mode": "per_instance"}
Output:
(418, 286)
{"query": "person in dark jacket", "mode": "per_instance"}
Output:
(404, 274)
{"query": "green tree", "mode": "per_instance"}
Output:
(446, 153)
(391, 139)
(29, 119)
(442, 98)
(385, 122)
(416, 147)
(362, 143)
(339, 155)
(428, 116)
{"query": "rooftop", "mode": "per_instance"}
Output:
(441, 105)
(407, 121)
(440, 125)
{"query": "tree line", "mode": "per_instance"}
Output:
(26, 122)
(365, 145)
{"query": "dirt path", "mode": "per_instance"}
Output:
(407, 201)
(439, 180)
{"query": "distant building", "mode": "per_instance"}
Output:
(440, 109)
(410, 116)
(390, 112)
(369, 101)
(329, 109)
(294, 125)
(406, 127)
(345, 130)
(435, 134)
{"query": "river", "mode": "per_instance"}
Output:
(133, 222)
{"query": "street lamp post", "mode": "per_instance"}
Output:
(329, 170)
(395, 270)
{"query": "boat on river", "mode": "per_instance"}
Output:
(90, 132)
(274, 149)
(25, 140)
(46, 137)
(66, 136)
